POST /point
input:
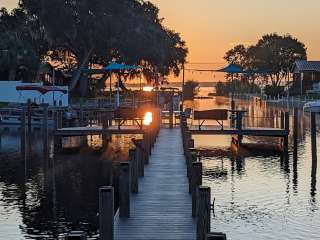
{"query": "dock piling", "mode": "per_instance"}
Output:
(314, 140)
(124, 190)
(204, 209)
(106, 213)
(195, 183)
(134, 171)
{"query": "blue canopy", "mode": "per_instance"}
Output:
(119, 66)
(232, 68)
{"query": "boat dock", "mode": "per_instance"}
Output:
(97, 130)
(262, 132)
(163, 207)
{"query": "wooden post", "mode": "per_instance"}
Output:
(106, 213)
(124, 190)
(105, 135)
(204, 208)
(239, 120)
(287, 128)
(295, 134)
(29, 114)
(45, 127)
(171, 110)
(195, 183)
(23, 132)
(282, 120)
(81, 120)
(134, 171)
(314, 140)
(216, 236)
(60, 119)
(55, 120)
(140, 157)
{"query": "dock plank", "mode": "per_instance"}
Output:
(163, 207)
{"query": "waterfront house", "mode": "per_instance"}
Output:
(306, 77)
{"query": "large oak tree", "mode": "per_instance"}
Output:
(97, 31)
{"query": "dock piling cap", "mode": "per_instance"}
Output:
(106, 189)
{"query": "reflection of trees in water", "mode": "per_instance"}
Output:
(54, 195)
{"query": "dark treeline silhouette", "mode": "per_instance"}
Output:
(80, 34)
(270, 60)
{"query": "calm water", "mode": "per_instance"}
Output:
(261, 196)
(256, 196)
(41, 197)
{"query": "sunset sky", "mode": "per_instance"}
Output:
(211, 27)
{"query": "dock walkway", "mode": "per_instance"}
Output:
(163, 207)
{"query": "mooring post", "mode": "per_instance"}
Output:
(314, 140)
(45, 127)
(55, 120)
(295, 134)
(287, 128)
(145, 146)
(204, 208)
(105, 135)
(171, 110)
(195, 183)
(124, 190)
(23, 131)
(134, 171)
(282, 120)
(29, 114)
(60, 119)
(106, 213)
(140, 157)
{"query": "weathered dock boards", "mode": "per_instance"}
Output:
(163, 207)
(97, 130)
(216, 130)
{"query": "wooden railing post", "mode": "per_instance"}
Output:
(134, 171)
(204, 208)
(124, 190)
(106, 213)
(195, 183)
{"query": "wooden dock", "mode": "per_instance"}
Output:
(163, 207)
(97, 130)
(216, 130)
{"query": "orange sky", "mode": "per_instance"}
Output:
(211, 27)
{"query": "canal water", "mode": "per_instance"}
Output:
(261, 195)
(258, 195)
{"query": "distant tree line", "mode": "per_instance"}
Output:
(269, 61)
(86, 33)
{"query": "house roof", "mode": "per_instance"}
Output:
(306, 66)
